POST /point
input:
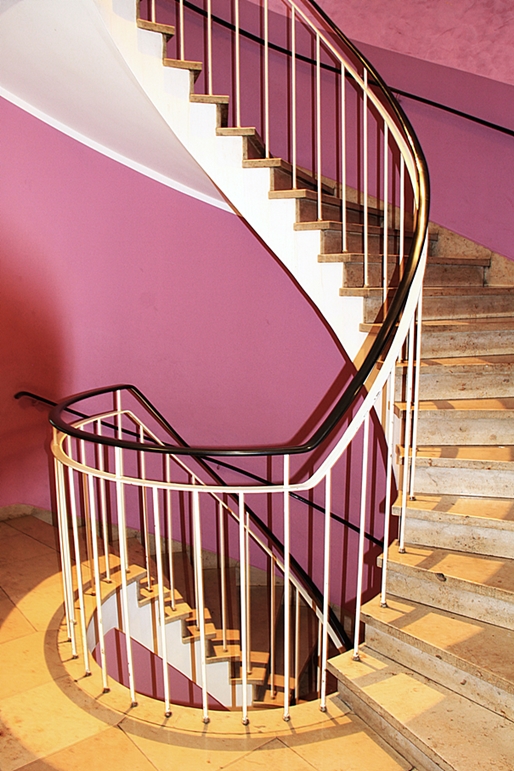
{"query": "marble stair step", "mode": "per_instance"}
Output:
(470, 585)
(486, 471)
(470, 657)
(436, 273)
(469, 524)
(464, 421)
(468, 377)
(433, 727)
(463, 337)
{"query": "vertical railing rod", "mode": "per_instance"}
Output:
(320, 656)
(417, 373)
(362, 529)
(248, 598)
(365, 173)
(266, 77)
(242, 590)
(144, 504)
(78, 560)
(407, 435)
(287, 589)
(402, 209)
(67, 576)
(97, 581)
(152, 11)
(385, 271)
(103, 503)
(293, 94)
(160, 589)
(297, 647)
(343, 160)
(318, 124)
(119, 420)
(389, 480)
(272, 629)
(209, 46)
(238, 66)
(181, 36)
(223, 578)
(169, 524)
(326, 592)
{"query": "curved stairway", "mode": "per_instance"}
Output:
(436, 672)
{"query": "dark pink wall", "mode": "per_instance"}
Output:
(108, 276)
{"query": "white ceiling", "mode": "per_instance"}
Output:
(58, 61)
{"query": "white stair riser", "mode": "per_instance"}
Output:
(427, 661)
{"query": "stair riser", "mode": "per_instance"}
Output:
(485, 482)
(462, 383)
(451, 307)
(470, 537)
(427, 661)
(453, 595)
(459, 427)
(393, 732)
(331, 243)
(281, 179)
(307, 211)
(436, 344)
(435, 275)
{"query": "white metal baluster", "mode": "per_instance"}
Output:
(152, 11)
(419, 321)
(385, 277)
(103, 503)
(238, 66)
(266, 77)
(98, 585)
(120, 503)
(320, 643)
(402, 209)
(169, 522)
(223, 578)
(362, 529)
(200, 608)
(343, 159)
(119, 421)
(160, 588)
(144, 503)
(287, 590)
(389, 479)
(272, 630)
(297, 646)
(67, 580)
(181, 36)
(78, 562)
(293, 93)
(326, 592)
(209, 46)
(318, 123)
(242, 589)
(365, 172)
(248, 603)
(407, 436)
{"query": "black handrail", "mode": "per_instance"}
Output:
(329, 67)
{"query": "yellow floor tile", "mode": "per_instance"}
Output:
(274, 754)
(34, 659)
(20, 547)
(13, 623)
(37, 529)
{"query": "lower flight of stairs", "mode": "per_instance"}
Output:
(435, 675)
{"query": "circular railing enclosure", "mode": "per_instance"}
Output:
(346, 152)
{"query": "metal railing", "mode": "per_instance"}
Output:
(383, 184)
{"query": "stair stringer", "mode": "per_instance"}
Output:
(247, 190)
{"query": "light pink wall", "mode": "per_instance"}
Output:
(477, 37)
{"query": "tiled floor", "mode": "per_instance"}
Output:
(53, 719)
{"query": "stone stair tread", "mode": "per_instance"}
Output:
(454, 733)
(502, 404)
(475, 646)
(472, 456)
(432, 291)
(498, 512)
(377, 259)
(487, 574)
(499, 323)
(471, 362)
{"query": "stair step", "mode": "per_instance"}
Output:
(434, 728)
(164, 29)
(470, 377)
(435, 274)
(463, 337)
(477, 525)
(464, 421)
(281, 175)
(468, 584)
(259, 669)
(182, 64)
(486, 471)
(470, 657)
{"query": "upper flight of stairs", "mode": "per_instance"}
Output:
(436, 671)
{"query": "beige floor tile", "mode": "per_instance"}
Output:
(13, 623)
(29, 662)
(274, 754)
(37, 529)
(349, 746)
(45, 720)
(169, 750)
(35, 586)
(109, 749)
(20, 547)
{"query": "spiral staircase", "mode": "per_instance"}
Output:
(435, 667)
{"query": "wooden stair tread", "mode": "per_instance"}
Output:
(153, 26)
(210, 99)
(504, 404)
(472, 510)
